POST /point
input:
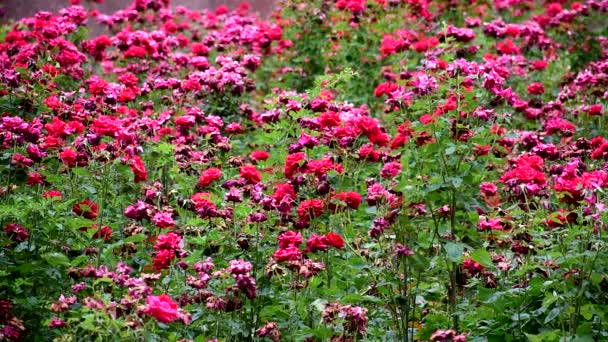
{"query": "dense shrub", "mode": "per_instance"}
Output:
(344, 171)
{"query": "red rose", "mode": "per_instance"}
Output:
(16, 232)
(310, 208)
(209, 176)
(68, 157)
(169, 241)
(353, 200)
(139, 169)
(287, 254)
(128, 79)
(185, 121)
(320, 167)
(250, 174)
(329, 119)
(199, 49)
(536, 89)
(596, 109)
(290, 239)
(163, 308)
(316, 243)
(282, 191)
(367, 152)
(335, 240)
(202, 199)
(86, 208)
(293, 163)
(259, 155)
(539, 65)
(105, 232)
(52, 194)
(472, 266)
(34, 178)
(163, 259)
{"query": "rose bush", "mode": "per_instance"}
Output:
(343, 171)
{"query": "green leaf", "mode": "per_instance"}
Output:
(456, 181)
(588, 311)
(454, 250)
(81, 171)
(56, 259)
(319, 304)
(79, 260)
(79, 222)
(482, 257)
(450, 150)
(136, 238)
(357, 298)
(546, 336)
(553, 314)
(273, 312)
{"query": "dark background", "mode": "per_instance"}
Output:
(16, 9)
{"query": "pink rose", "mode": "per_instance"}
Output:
(163, 308)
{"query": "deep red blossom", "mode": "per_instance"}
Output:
(385, 89)
(316, 243)
(104, 233)
(335, 240)
(16, 232)
(259, 156)
(391, 45)
(320, 167)
(139, 169)
(34, 178)
(472, 267)
(251, 174)
(329, 119)
(168, 241)
(294, 163)
(536, 89)
(86, 208)
(351, 199)
(163, 259)
(309, 209)
(209, 176)
(367, 152)
(68, 157)
(50, 194)
(596, 110)
(287, 254)
(290, 239)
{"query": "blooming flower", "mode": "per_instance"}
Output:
(169, 241)
(250, 174)
(16, 232)
(162, 308)
(209, 176)
(163, 220)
